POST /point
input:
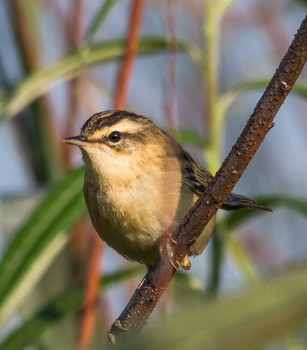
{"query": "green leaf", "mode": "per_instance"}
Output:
(300, 89)
(69, 67)
(39, 240)
(30, 332)
(247, 320)
(68, 302)
(99, 19)
(187, 137)
(235, 218)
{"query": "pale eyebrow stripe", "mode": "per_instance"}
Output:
(124, 126)
(109, 118)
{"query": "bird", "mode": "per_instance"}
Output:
(139, 183)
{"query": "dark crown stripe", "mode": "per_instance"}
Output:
(108, 118)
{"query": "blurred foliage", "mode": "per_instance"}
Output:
(67, 68)
(245, 321)
(266, 311)
(37, 242)
(69, 301)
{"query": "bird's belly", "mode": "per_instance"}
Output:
(132, 229)
(134, 244)
(133, 222)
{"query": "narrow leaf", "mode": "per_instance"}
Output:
(39, 240)
(300, 89)
(98, 21)
(29, 333)
(69, 67)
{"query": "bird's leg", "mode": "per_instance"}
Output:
(166, 249)
(186, 264)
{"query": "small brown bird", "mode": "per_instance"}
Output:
(139, 183)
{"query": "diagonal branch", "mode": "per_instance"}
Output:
(158, 277)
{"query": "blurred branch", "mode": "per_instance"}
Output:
(169, 99)
(141, 305)
(75, 38)
(90, 299)
(129, 55)
(43, 148)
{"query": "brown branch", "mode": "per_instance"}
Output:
(158, 277)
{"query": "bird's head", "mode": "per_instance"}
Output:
(115, 142)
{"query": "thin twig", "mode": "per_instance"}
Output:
(144, 300)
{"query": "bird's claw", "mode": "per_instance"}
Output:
(167, 253)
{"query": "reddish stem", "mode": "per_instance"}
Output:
(91, 291)
(129, 57)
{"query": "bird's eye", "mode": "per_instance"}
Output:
(115, 136)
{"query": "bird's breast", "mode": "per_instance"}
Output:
(127, 216)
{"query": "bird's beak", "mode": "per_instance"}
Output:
(75, 140)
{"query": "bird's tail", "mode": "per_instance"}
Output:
(235, 201)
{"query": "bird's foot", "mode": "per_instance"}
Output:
(166, 248)
(186, 264)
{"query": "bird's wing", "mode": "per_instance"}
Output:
(194, 175)
(196, 178)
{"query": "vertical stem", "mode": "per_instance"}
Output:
(170, 65)
(131, 47)
(214, 120)
(91, 292)
(44, 146)
(211, 59)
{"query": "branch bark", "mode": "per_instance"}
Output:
(145, 298)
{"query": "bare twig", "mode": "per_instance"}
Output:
(158, 277)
